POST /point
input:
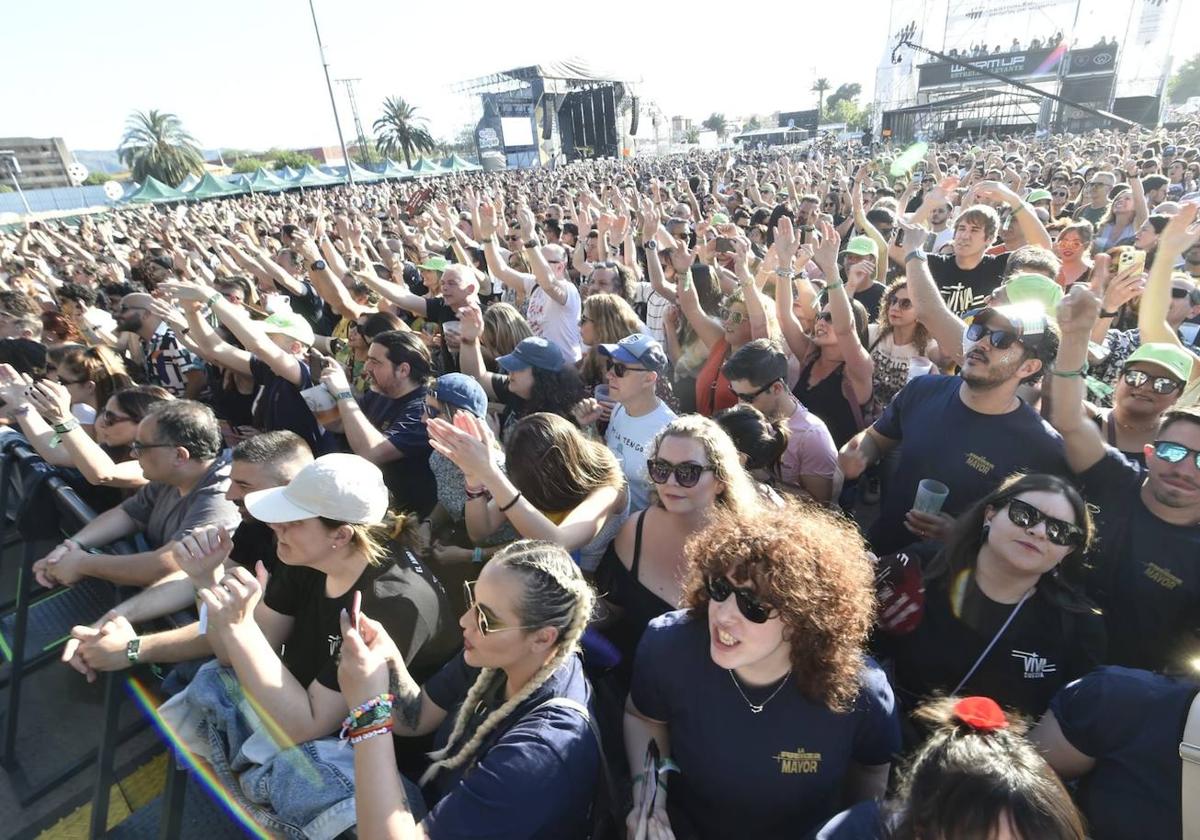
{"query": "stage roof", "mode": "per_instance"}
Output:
(559, 75)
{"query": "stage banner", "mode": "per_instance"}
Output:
(1027, 64)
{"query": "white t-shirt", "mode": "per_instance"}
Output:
(84, 413)
(629, 438)
(554, 321)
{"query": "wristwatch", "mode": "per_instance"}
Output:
(1104, 313)
(652, 245)
(916, 254)
(532, 243)
(133, 648)
(318, 265)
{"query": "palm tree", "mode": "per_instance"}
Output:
(716, 122)
(820, 86)
(400, 129)
(156, 144)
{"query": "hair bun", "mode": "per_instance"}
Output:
(982, 714)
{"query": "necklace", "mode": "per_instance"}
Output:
(756, 708)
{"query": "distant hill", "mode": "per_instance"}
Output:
(100, 160)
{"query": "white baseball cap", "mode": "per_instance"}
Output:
(341, 487)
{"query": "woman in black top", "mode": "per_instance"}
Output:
(996, 611)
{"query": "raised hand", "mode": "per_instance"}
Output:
(231, 602)
(471, 318)
(202, 553)
(367, 653)
(1078, 310)
(51, 399)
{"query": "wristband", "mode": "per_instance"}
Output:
(916, 254)
(343, 395)
(1069, 374)
(532, 243)
(477, 556)
(829, 287)
(212, 300)
(1104, 313)
(68, 425)
(133, 649)
(516, 499)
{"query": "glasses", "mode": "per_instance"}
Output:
(827, 317)
(1158, 384)
(124, 307)
(137, 446)
(112, 418)
(1179, 294)
(620, 369)
(749, 398)
(353, 327)
(485, 625)
(687, 474)
(1001, 339)
(731, 315)
(1173, 453)
(1058, 194)
(1025, 515)
(432, 411)
(903, 303)
(752, 609)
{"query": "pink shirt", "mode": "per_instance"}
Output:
(810, 449)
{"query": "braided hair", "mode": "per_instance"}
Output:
(555, 595)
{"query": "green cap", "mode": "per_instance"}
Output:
(291, 325)
(720, 219)
(1175, 360)
(863, 246)
(1034, 288)
(435, 263)
(1038, 195)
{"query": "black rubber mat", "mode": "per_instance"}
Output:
(52, 617)
(203, 819)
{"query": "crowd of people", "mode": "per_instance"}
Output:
(775, 495)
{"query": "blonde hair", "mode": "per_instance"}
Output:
(555, 595)
(503, 328)
(739, 496)
(372, 540)
(612, 319)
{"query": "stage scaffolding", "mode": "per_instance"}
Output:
(970, 114)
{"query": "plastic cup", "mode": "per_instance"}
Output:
(919, 366)
(931, 495)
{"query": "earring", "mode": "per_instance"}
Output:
(986, 530)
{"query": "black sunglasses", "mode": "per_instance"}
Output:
(620, 369)
(112, 418)
(1024, 515)
(749, 398)
(1179, 294)
(752, 609)
(825, 316)
(1173, 453)
(687, 474)
(1158, 384)
(1001, 339)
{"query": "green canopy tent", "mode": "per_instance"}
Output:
(364, 176)
(287, 174)
(188, 183)
(424, 167)
(212, 187)
(391, 169)
(154, 191)
(454, 163)
(310, 176)
(264, 181)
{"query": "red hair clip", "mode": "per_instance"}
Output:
(981, 713)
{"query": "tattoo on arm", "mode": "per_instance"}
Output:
(408, 697)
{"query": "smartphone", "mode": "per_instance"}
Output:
(288, 230)
(316, 363)
(725, 245)
(1131, 259)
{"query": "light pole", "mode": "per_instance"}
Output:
(332, 101)
(9, 163)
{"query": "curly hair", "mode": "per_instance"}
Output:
(921, 335)
(612, 319)
(554, 391)
(738, 495)
(812, 567)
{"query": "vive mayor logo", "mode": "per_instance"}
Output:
(1036, 667)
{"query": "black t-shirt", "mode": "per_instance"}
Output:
(514, 406)
(254, 541)
(310, 306)
(1144, 573)
(1042, 649)
(963, 290)
(409, 478)
(871, 297)
(437, 311)
(278, 404)
(401, 594)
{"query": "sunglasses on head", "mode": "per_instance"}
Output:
(1159, 384)
(730, 315)
(687, 473)
(752, 609)
(620, 369)
(1173, 453)
(1024, 515)
(486, 625)
(1001, 339)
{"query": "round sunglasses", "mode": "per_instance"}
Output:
(687, 474)
(1158, 384)
(752, 609)
(1024, 515)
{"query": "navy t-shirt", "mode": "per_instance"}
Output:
(1144, 573)
(410, 478)
(865, 821)
(279, 406)
(775, 775)
(969, 452)
(533, 776)
(1131, 723)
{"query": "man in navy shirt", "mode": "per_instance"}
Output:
(1143, 570)
(387, 426)
(969, 432)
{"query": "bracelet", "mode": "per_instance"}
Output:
(370, 733)
(1069, 374)
(829, 287)
(68, 425)
(1104, 313)
(368, 713)
(516, 499)
(343, 395)
(214, 299)
(785, 273)
(481, 493)
(477, 556)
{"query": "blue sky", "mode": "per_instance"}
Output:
(246, 73)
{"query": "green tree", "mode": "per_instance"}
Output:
(846, 111)
(5, 188)
(96, 179)
(753, 124)
(401, 130)
(692, 136)
(819, 87)
(156, 144)
(716, 122)
(1186, 81)
(844, 93)
(248, 164)
(296, 160)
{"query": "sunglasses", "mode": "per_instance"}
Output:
(1173, 453)
(730, 315)
(432, 411)
(1024, 515)
(827, 317)
(136, 447)
(112, 418)
(1001, 339)
(620, 369)
(903, 303)
(749, 398)
(1179, 294)
(1059, 195)
(687, 474)
(1158, 384)
(752, 609)
(485, 625)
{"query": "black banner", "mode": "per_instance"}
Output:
(806, 120)
(1029, 64)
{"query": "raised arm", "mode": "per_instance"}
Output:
(1181, 232)
(708, 329)
(54, 403)
(860, 366)
(1067, 381)
(860, 219)
(498, 268)
(945, 327)
(1033, 229)
(470, 357)
(556, 289)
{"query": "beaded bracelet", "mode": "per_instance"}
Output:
(382, 702)
(359, 737)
